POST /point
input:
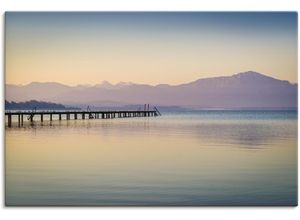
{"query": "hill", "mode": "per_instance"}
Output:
(33, 104)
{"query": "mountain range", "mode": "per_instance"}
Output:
(242, 90)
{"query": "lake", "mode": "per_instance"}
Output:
(186, 158)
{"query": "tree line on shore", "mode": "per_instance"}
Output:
(34, 104)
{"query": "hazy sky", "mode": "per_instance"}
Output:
(152, 48)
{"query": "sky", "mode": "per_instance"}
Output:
(147, 47)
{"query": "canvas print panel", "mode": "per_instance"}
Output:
(151, 109)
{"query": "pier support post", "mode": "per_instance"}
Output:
(22, 119)
(83, 116)
(19, 120)
(68, 116)
(59, 117)
(50, 117)
(42, 117)
(9, 120)
(75, 116)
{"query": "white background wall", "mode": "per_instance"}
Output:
(240, 213)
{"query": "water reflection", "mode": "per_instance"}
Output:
(233, 132)
(153, 161)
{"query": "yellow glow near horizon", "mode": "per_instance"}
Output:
(74, 56)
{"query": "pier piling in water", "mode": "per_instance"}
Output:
(67, 115)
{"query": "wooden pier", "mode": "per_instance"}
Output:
(74, 115)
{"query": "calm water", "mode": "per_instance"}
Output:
(181, 158)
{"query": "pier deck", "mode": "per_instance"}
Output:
(74, 115)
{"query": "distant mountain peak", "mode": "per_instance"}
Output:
(39, 83)
(84, 85)
(106, 83)
(46, 84)
(124, 84)
(250, 74)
